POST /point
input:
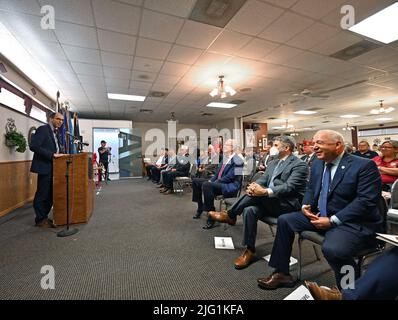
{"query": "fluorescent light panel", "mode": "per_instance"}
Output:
(305, 112)
(349, 116)
(127, 97)
(221, 105)
(382, 26)
(383, 119)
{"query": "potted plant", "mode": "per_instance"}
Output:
(16, 139)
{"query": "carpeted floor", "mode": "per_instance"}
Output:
(139, 244)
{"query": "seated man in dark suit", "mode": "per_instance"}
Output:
(380, 282)
(226, 181)
(180, 169)
(279, 190)
(340, 202)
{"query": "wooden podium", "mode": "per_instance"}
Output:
(81, 188)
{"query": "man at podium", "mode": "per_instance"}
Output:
(46, 145)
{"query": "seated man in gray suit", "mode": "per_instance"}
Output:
(278, 191)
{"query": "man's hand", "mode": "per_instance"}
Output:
(306, 210)
(255, 190)
(173, 170)
(322, 223)
(58, 155)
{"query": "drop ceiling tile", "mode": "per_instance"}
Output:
(229, 42)
(87, 69)
(113, 82)
(257, 49)
(76, 35)
(91, 80)
(82, 54)
(286, 27)
(152, 49)
(181, 8)
(133, 2)
(340, 41)
(144, 76)
(135, 85)
(160, 26)
(25, 6)
(312, 36)
(174, 69)
(253, 17)
(282, 3)
(116, 60)
(116, 16)
(118, 89)
(212, 60)
(167, 79)
(184, 55)
(316, 9)
(282, 54)
(119, 73)
(116, 42)
(197, 35)
(147, 65)
(74, 11)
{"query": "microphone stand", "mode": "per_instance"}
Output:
(67, 232)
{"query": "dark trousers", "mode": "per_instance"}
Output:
(148, 169)
(155, 173)
(380, 281)
(168, 177)
(341, 243)
(106, 166)
(253, 209)
(203, 189)
(43, 200)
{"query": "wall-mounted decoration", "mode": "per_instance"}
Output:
(14, 138)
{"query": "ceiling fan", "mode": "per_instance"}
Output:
(309, 93)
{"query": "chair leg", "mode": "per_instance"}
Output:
(299, 259)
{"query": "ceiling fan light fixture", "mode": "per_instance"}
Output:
(382, 109)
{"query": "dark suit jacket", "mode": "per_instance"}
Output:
(231, 177)
(182, 165)
(43, 145)
(353, 193)
(289, 183)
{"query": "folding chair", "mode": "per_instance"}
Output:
(318, 238)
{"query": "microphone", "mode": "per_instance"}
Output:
(76, 139)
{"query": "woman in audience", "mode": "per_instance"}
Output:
(388, 163)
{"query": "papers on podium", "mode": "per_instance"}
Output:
(301, 293)
(389, 238)
(223, 243)
(293, 261)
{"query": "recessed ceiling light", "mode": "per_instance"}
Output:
(127, 97)
(283, 127)
(221, 105)
(349, 116)
(305, 112)
(381, 26)
(383, 119)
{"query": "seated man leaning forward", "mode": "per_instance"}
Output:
(226, 181)
(340, 203)
(279, 190)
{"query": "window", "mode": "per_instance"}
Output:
(11, 100)
(38, 114)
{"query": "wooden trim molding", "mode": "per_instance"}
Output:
(17, 185)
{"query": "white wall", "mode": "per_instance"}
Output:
(86, 129)
(308, 135)
(23, 124)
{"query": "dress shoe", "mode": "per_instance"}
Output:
(222, 217)
(197, 215)
(208, 225)
(163, 190)
(45, 224)
(321, 293)
(244, 260)
(160, 186)
(276, 280)
(168, 191)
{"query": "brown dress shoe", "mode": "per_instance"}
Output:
(222, 217)
(45, 224)
(163, 190)
(276, 280)
(323, 293)
(244, 260)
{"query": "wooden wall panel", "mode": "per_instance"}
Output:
(17, 185)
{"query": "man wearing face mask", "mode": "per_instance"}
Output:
(279, 190)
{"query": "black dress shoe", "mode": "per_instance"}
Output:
(197, 215)
(209, 225)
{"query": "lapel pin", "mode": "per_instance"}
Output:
(342, 167)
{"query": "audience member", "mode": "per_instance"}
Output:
(364, 150)
(278, 191)
(387, 163)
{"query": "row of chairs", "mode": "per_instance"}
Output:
(317, 238)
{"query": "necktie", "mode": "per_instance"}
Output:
(323, 197)
(221, 171)
(271, 184)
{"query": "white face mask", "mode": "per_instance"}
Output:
(274, 151)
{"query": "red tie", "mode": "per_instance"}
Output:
(221, 171)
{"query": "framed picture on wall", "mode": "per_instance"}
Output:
(265, 142)
(250, 138)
